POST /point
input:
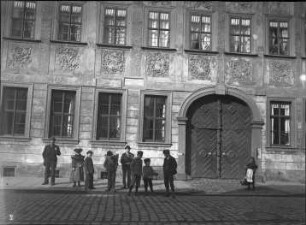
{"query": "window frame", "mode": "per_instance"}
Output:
(240, 17)
(123, 107)
(292, 123)
(201, 14)
(168, 132)
(58, 14)
(75, 136)
(29, 87)
(279, 20)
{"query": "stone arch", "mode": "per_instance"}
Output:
(257, 121)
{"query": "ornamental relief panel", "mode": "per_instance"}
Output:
(202, 67)
(239, 6)
(113, 61)
(200, 5)
(157, 64)
(19, 57)
(238, 70)
(278, 8)
(67, 59)
(281, 73)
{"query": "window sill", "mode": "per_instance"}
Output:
(241, 54)
(68, 42)
(119, 143)
(114, 46)
(62, 141)
(159, 49)
(15, 138)
(200, 51)
(154, 144)
(280, 56)
(21, 39)
(282, 150)
(303, 57)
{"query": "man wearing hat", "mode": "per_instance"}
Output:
(88, 171)
(169, 168)
(126, 159)
(77, 173)
(50, 154)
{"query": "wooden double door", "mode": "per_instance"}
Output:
(218, 137)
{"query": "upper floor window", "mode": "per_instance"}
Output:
(70, 22)
(200, 32)
(14, 109)
(278, 37)
(109, 116)
(159, 29)
(240, 35)
(23, 19)
(154, 125)
(115, 26)
(280, 123)
(62, 113)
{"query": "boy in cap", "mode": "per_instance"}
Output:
(148, 174)
(77, 173)
(126, 160)
(88, 171)
(111, 164)
(50, 154)
(136, 170)
(169, 168)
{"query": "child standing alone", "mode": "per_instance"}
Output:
(148, 174)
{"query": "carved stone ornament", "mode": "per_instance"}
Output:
(113, 61)
(157, 64)
(20, 57)
(238, 70)
(281, 73)
(158, 3)
(278, 8)
(68, 59)
(239, 6)
(206, 5)
(201, 67)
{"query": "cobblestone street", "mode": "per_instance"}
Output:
(64, 205)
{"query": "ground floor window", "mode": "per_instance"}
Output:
(280, 114)
(62, 113)
(13, 111)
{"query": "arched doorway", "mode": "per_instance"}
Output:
(218, 137)
(238, 101)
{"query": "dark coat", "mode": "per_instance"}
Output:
(126, 158)
(88, 166)
(148, 172)
(136, 166)
(170, 166)
(50, 153)
(111, 163)
(77, 173)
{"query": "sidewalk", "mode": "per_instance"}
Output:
(190, 187)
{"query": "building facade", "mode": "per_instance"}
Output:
(214, 82)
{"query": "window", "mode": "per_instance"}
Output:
(159, 29)
(240, 35)
(154, 125)
(70, 22)
(14, 109)
(115, 26)
(23, 19)
(280, 123)
(200, 32)
(109, 116)
(278, 37)
(62, 113)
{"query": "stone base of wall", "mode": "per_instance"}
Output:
(285, 175)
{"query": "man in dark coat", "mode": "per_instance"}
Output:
(126, 160)
(50, 154)
(169, 168)
(136, 170)
(88, 171)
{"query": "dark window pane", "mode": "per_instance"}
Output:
(200, 32)
(278, 38)
(70, 22)
(115, 26)
(159, 29)
(240, 35)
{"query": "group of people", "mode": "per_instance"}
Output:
(132, 169)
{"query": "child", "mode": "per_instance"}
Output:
(77, 173)
(88, 171)
(148, 174)
(111, 164)
(250, 173)
(136, 170)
